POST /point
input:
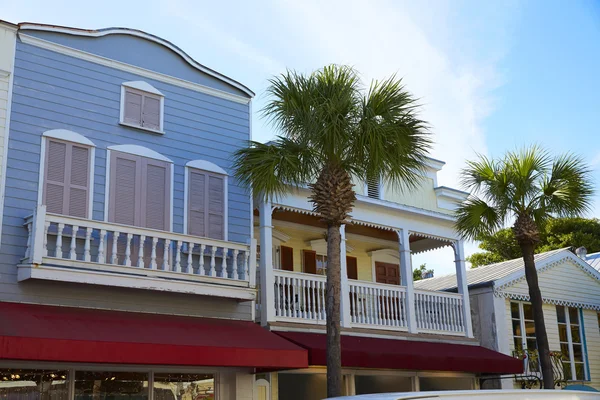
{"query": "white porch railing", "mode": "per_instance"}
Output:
(377, 304)
(439, 311)
(69, 241)
(299, 296)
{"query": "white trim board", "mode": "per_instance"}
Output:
(143, 86)
(139, 151)
(69, 136)
(141, 34)
(107, 62)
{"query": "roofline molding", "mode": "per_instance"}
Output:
(141, 34)
(547, 300)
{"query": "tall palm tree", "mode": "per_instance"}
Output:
(331, 130)
(528, 188)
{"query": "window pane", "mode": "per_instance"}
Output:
(97, 385)
(28, 384)
(527, 311)
(562, 332)
(579, 371)
(529, 329)
(365, 384)
(184, 386)
(518, 344)
(514, 310)
(560, 314)
(567, 370)
(575, 337)
(577, 353)
(564, 349)
(531, 344)
(573, 316)
(516, 328)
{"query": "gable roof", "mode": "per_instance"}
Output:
(135, 32)
(503, 273)
(594, 260)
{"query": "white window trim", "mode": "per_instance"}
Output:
(207, 166)
(570, 343)
(138, 151)
(144, 88)
(73, 137)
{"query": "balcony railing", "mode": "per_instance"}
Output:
(60, 240)
(300, 297)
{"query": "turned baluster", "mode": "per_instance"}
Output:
(234, 266)
(46, 229)
(201, 270)
(59, 233)
(88, 242)
(153, 253)
(73, 252)
(101, 259)
(224, 273)
(140, 260)
(114, 259)
(178, 244)
(128, 250)
(213, 253)
(190, 267)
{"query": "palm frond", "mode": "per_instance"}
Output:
(270, 168)
(475, 218)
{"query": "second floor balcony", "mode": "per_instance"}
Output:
(72, 249)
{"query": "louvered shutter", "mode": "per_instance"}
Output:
(133, 108)
(197, 203)
(310, 261)
(287, 258)
(216, 207)
(66, 179)
(151, 113)
(78, 190)
(125, 189)
(156, 181)
(54, 181)
(351, 267)
(373, 188)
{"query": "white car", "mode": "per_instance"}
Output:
(480, 395)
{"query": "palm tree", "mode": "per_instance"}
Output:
(528, 187)
(332, 130)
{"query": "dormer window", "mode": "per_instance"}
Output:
(373, 188)
(142, 106)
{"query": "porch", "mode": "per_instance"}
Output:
(377, 279)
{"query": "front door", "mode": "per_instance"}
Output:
(387, 273)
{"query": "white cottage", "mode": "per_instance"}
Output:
(503, 318)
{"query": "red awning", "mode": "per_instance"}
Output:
(369, 352)
(48, 333)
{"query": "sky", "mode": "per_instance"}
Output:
(490, 76)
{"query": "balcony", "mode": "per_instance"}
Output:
(63, 248)
(300, 297)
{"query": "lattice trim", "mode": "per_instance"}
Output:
(524, 297)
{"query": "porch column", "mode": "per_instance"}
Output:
(463, 287)
(406, 275)
(267, 280)
(345, 288)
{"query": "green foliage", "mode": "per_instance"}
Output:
(418, 272)
(527, 183)
(557, 233)
(328, 118)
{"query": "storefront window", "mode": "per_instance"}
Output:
(442, 383)
(366, 384)
(28, 384)
(302, 386)
(184, 386)
(96, 385)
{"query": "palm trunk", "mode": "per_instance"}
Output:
(332, 306)
(538, 315)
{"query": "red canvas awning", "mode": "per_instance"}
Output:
(368, 352)
(47, 333)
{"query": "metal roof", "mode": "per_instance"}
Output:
(483, 275)
(594, 260)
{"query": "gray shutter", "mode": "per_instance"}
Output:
(125, 189)
(55, 177)
(133, 108)
(78, 190)
(197, 203)
(156, 189)
(216, 207)
(151, 113)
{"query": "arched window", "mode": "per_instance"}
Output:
(205, 211)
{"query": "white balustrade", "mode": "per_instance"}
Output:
(115, 245)
(377, 304)
(439, 311)
(300, 296)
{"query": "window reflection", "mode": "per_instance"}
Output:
(27, 384)
(184, 386)
(98, 385)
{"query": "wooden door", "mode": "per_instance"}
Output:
(387, 273)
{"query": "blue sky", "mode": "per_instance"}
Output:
(491, 76)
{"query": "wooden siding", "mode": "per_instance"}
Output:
(592, 341)
(566, 282)
(53, 91)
